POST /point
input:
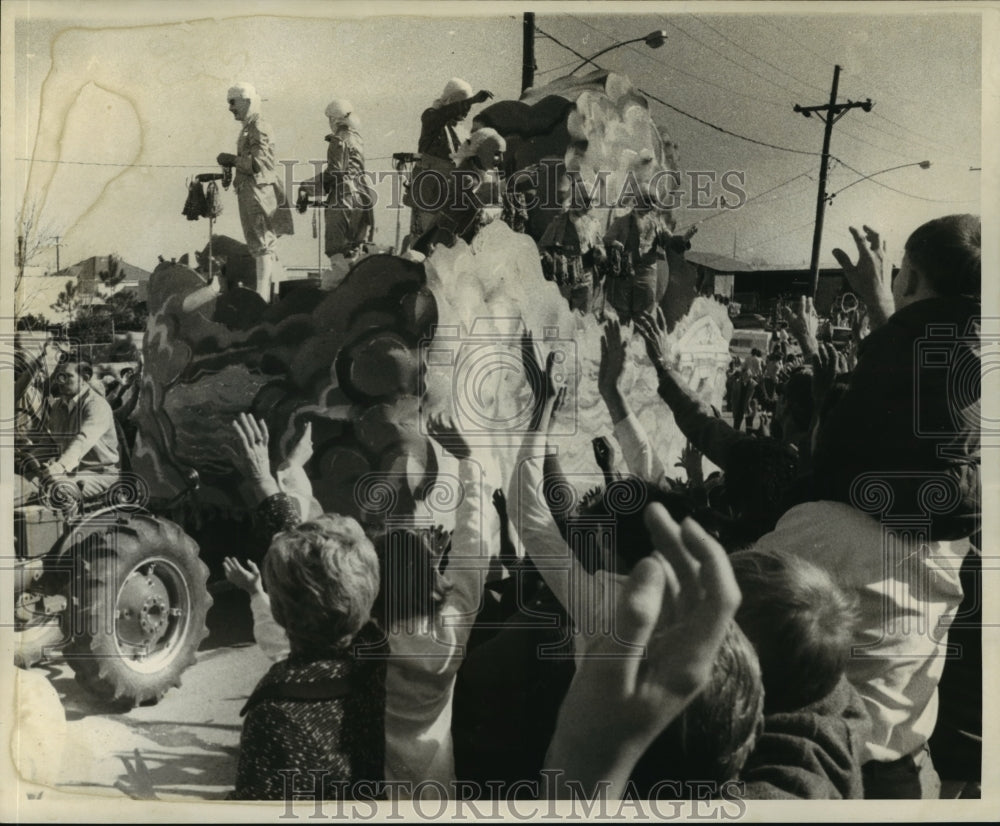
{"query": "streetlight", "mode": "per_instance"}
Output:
(654, 40)
(921, 164)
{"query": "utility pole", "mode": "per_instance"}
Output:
(833, 111)
(528, 51)
(57, 254)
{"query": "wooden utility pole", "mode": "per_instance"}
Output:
(832, 111)
(528, 52)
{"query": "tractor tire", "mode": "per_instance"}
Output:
(138, 610)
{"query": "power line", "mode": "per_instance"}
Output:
(756, 57)
(769, 21)
(727, 57)
(931, 142)
(148, 165)
(681, 111)
(120, 165)
(849, 134)
(899, 191)
(663, 64)
(558, 42)
(744, 137)
(883, 82)
(565, 65)
(806, 174)
(726, 131)
(782, 234)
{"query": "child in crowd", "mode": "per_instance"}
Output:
(815, 725)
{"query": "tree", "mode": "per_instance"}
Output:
(112, 276)
(124, 308)
(34, 237)
(32, 322)
(91, 326)
(69, 301)
(126, 311)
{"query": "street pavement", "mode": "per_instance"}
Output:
(184, 747)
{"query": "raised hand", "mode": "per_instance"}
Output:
(828, 363)
(612, 359)
(803, 323)
(542, 382)
(500, 503)
(671, 617)
(604, 454)
(449, 437)
(653, 329)
(867, 277)
(254, 460)
(482, 96)
(246, 578)
(438, 540)
(691, 463)
(302, 450)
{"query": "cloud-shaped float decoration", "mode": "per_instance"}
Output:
(594, 124)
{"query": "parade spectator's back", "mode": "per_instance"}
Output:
(910, 414)
(321, 707)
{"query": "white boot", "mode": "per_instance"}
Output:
(265, 269)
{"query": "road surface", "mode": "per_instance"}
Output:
(187, 743)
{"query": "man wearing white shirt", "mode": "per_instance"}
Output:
(82, 427)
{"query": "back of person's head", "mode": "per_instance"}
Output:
(946, 252)
(322, 577)
(712, 738)
(413, 587)
(800, 622)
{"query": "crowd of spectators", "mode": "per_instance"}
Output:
(777, 630)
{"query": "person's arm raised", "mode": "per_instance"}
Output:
(671, 616)
(867, 277)
(253, 459)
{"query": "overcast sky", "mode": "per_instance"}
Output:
(130, 101)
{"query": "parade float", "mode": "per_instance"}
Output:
(364, 364)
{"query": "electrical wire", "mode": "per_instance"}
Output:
(898, 191)
(688, 114)
(783, 234)
(147, 165)
(120, 165)
(727, 131)
(895, 89)
(724, 56)
(806, 174)
(756, 57)
(662, 64)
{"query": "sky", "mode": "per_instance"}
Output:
(117, 108)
